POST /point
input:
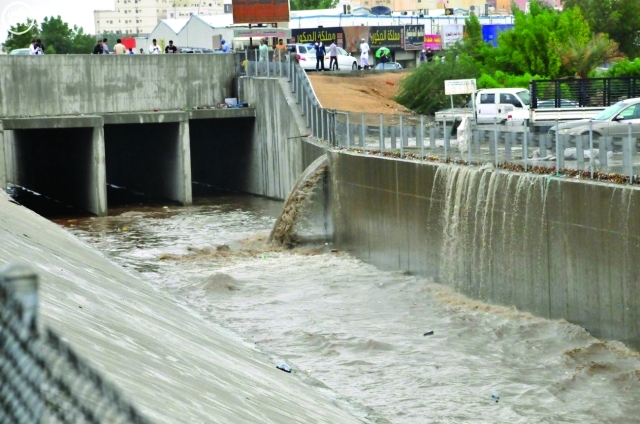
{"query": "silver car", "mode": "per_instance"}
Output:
(614, 121)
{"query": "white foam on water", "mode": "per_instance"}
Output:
(359, 330)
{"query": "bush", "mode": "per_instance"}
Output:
(624, 68)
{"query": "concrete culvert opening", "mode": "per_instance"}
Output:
(221, 153)
(59, 164)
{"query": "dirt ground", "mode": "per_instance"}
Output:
(359, 92)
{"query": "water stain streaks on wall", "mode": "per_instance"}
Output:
(554, 247)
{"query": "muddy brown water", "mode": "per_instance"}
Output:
(359, 330)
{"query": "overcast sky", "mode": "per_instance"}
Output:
(74, 12)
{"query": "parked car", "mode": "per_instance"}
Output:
(345, 60)
(305, 54)
(387, 66)
(613, 121)
(552, 103)
(19, 51)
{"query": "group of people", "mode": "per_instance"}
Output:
(427, 55)
(103, 48)
(36, 47)
(321, 53)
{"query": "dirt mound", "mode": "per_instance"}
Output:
(360, 91)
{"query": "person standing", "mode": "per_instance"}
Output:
(321, 52)
(131, 51)
(154, 48)
(364, 54)
(333, 56)
(281, 51)
(383, 56)
(105, 46)
(33, 48)
(171, 48)
(263, 50)
(224, 46)
(39, 46)
(119, 48)
(422, 57)
(98, 49)
(429, 54)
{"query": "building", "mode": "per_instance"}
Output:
(142, 16)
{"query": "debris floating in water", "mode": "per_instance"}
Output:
(284, 367)
(428, 333)
(495, 397)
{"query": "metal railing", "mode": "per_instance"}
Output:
(41, 378)
(270, 63)
(608, 152)
(585, 92)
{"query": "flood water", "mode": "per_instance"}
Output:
(359, 330)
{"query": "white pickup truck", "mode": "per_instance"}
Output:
(513, 106)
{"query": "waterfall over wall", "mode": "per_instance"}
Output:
(556, 247)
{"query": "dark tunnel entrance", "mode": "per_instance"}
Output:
(221, 154)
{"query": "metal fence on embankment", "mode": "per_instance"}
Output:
(606, 153)
(42, 379)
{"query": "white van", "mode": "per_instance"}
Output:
(503, 105)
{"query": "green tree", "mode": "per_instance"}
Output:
(20, 36)
(423, 89)
(532, 45)
(82, 43)
(56, 33)
(313, 4)
(583, 57)
(618, 18)
(625, 68)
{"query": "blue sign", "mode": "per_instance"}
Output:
(490, 32)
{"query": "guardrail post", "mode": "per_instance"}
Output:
(268, 62)
(420, 136)
(246, 62)
(401, 137)
(580, 151)
(495, 140)
(363, 131)
(348, 132)
(393, 137)
(469, 135)
(559, 152)
(591, 158)
(381, 131)
(627, 155)
(478, 136)
(445, 136)
(603, 144)
(256, 70)
(525, 147)
(432, 138)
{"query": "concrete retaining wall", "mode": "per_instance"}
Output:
(558, 248)
(82, 84)
(280, 149)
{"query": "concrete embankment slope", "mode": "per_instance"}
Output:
(173, 365)
(557, 247)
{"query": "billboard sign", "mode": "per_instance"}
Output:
(260, 11)
(326, 35)
(349, 38)
(433, 41)
(451, 34)
(461, 86)
(413, 37)
(262, 33)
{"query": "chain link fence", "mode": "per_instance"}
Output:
(42, 379)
